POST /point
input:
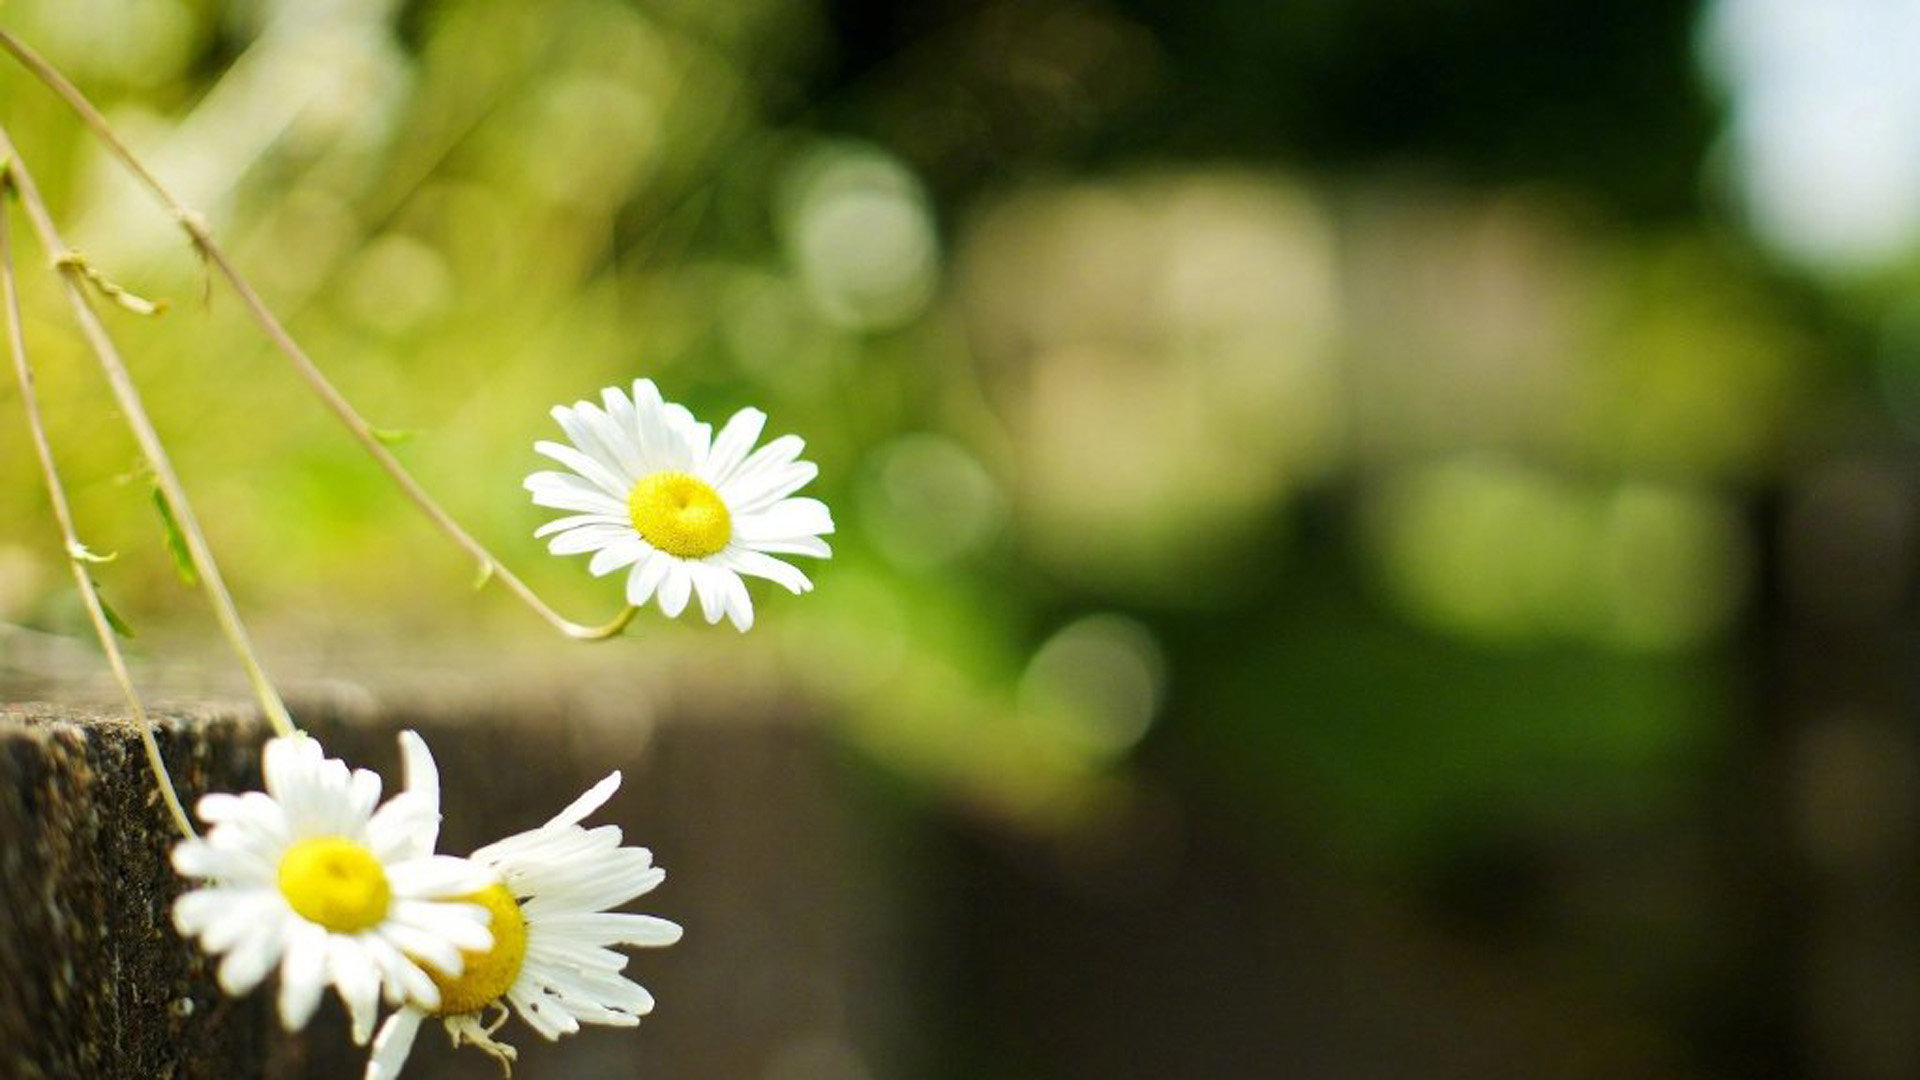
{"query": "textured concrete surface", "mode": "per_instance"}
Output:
(787, 959)
(93, 980)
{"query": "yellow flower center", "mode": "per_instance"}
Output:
(486, 977)
(335, 882)
(680, 514)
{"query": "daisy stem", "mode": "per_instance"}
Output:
(63, 513)
(202, 239)
(73, 276)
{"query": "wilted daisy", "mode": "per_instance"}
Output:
(552, 959)
(309, 876)
(685, 513)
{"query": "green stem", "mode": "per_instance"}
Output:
(128, 396)
(282, 341)
(63, 513)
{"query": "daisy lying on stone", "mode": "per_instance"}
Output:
(653, 491)
(552, 960)
(308, 876)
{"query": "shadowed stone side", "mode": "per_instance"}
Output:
(783, 962)
(93, 979)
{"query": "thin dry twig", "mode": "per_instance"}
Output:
(77, 554)
(131, 407)
(368, 437)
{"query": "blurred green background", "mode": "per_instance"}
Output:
(1375, 538)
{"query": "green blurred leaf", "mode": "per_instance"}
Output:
(176, 542)
(113, 617)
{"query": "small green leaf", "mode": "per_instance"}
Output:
(79, 552)
(176, 542)
(393, 436)
(113, 617)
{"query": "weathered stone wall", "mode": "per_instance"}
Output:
(93, 979)
(784, 929)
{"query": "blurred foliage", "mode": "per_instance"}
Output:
(1336, 389)
(1375, 417)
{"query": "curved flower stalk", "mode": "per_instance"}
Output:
(308, 876)
(491, 568)
(77, 553)
(77, 279)
(552, 962)
(654, 492)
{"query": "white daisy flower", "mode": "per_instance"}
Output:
(685, 513)
(309, 876)
(552, 959)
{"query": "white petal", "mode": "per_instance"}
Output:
(615, 928)
(753, 492)
(810, 546)
(196, 858)
(574, 521)
(287, 764)
(594, 798)
(230, 853)
(234, 924)
(748, 561)
(698, 436)
(586, 429)
(784, 520)
(565, 491)
(731, 448)
(463, 925)
(406, 827)
(709, 584)
(646, 577)
(303, 973)
(675, 590)
(199, 909)
(617, 441)
(542, 1015)
(615, 556)
(621, 418)
(337, 795)
(401, 980)
(353, 974)
(602, 997)
(428, 948)
(394, 1043)
(597, 472)
(662, 446)
(739, 604)
(438, 876)
(363, 794)
(775, 457)
(252, 957)
(420, 775)
(252, 809)
(611, 888)
(589, 538)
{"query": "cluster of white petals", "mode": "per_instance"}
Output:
(317, 878)
(565, 879)
(685, 514)
(386, 901)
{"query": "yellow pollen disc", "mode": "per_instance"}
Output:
(680, 514)
(335, 882)
(486, 977)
